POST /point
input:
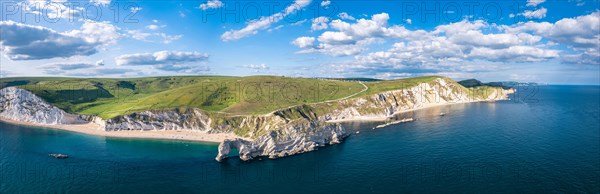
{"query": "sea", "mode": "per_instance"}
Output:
(546, 139)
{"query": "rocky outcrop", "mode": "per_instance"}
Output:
(383, 105)
(294, 138)
(188, 119)
(22, 105)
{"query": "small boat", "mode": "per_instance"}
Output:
(357, 132)
(442, 114)
(59, 156)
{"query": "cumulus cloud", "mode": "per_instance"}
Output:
(325, 4)
(211, 4)
(165, 60)
(346, 16)
(257, 67)
(514, 53)
(100, 2)
(155, 27)
(153, 37)
(319, 23)
(135, 9)
(100, 62)
(350, 38)
(103, 33)
(304, 42)
(464, 46)
(28, 42)
(533, 3)
(264, 22)
(537, 14)
(579, 33)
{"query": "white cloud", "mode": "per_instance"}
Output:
(408, 21)
(299, 22)
(264, 22)
(135, 9)
(346, 16)
(211, 4)
(155, 27)
(351, 38)
(253, 66)
(153, 37)
(304, 42)
(70, 67)
(391, 75)
(465, 46)
(275, 28)
(514, 53)
(28, 42)
(97, 32)
(533, 3)
(100, 62)
(319, 23)
(335, 38)
(176, 61)
(325, 4)
(580, 32)
(100, 2)
(60, 11)
(537, 14)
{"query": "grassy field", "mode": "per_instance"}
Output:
(250, 95)
(108, 98)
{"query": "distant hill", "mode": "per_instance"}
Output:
(469, 83)
(356, 79)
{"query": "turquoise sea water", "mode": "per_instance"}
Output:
(544, 140)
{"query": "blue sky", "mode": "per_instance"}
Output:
(540, 41)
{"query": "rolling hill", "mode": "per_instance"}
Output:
(252, 95)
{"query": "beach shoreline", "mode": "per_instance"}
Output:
(188, 135)
(380, 119)
(95, 129)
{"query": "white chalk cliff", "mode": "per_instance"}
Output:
(282, 133)
(22, 105)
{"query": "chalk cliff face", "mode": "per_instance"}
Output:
(296, 137)
(189, 119)
(22, 105)
(282, 133)
(385, 104)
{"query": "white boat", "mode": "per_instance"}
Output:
(59, 156)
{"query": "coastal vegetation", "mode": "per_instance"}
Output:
(218, 95)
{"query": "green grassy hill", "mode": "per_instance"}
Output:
(108, 98)
(250, 95)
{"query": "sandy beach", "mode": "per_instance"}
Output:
(378, 118)
(94, 129)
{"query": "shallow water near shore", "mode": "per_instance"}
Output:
(544, 140)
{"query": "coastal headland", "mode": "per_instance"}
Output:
(261, 116)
